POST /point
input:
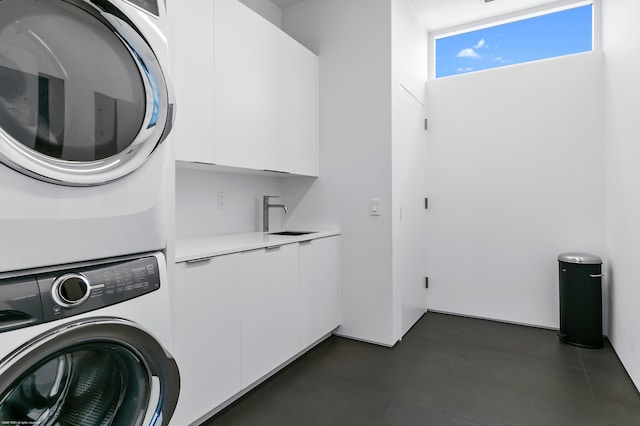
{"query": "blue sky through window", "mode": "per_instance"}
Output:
(540, 37)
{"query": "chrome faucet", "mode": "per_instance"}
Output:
(265, 210)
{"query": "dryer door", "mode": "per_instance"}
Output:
(83, 98)
(97, 372)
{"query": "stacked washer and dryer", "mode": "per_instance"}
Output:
(85, 108)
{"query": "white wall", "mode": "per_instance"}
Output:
(515, 177)
(622, 135)
(197, 212)
(408, 151)
(354, 51)
(266, 9)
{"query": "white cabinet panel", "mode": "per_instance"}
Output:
(207, 334)
(318, 289)
(297, 113)
(191, 47)
(240, 316)
(270, 308)
(245, 91)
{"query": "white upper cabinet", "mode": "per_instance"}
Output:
(258, 108)
(297, 112)
(192, 76)
(245, 73)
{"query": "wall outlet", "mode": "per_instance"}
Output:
(221, 200)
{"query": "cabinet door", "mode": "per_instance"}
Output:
(207, 335)
(297, 102)
(245, 74)
(266, 94)
(270, 330)
(191, 67)
(318, 289)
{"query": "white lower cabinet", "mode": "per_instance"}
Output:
(270, 308)
(318, 289)
(240, 316)
(207, 334)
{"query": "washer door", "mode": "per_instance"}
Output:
(83, 99)
(96, 372)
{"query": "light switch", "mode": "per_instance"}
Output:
(374, 207)
(221, 200)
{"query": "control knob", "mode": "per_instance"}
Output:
(71, 290)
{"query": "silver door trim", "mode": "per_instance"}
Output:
(158, 362)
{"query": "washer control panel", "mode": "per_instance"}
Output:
(51, 295)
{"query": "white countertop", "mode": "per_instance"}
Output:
(204, 247)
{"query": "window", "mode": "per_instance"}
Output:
(540, 37)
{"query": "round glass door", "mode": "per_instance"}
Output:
(83, 99)
(95, 372)
(87, 385)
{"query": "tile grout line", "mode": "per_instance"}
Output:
(584, 370)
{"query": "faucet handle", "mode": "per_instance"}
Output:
(266, 197)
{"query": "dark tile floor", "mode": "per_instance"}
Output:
(447, 370)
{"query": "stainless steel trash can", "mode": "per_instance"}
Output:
(580, 282)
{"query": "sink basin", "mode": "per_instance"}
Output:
(292, 233)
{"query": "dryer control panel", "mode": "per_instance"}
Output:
(54, 294)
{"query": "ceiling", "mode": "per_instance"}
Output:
(439, 14)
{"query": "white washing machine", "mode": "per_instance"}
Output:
(87, 344)
(85, 106)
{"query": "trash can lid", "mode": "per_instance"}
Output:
(576, 257)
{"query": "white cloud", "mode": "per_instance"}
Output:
(468, 53)
(467, 69)
(480, 44)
